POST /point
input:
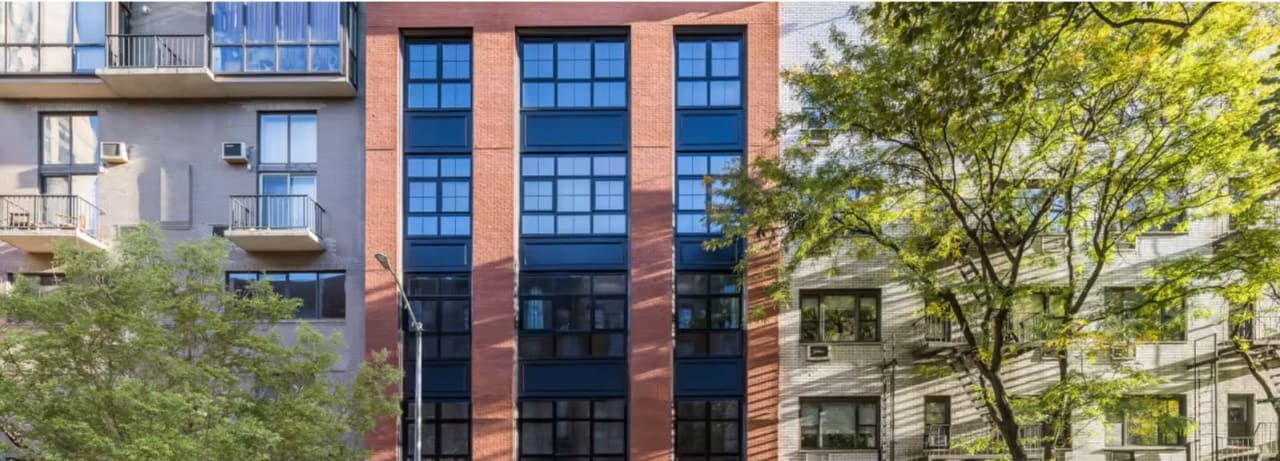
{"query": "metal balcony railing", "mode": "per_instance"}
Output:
(937, 328)
(49, 212)
(157, 51)
(275, 212)
(937, 436)
(1263, 436)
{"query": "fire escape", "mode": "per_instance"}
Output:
(1253, 343)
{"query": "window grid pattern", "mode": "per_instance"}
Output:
(840, 316)
(443, 304)
(573, 73)
(69, 139)
(52, 37)
(839, 424)
(277, 37)
(573, 430)
(573, 194)
(288, 138)
(438, 192)
(1147, 421)
(573, 316)
(323, 295)
(708, 315)
(446, 431)
(708, 430)
(438, 75)
(698, 190)
(709, 72)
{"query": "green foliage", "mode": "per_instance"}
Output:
(999, 148)
(142, 354)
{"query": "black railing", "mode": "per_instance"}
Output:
(937, 436)
(275, 212)
(156, 51)
(49, 212)
(937, 328)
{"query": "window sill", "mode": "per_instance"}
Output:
(309, 321)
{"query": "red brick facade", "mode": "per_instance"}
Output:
(493, 27)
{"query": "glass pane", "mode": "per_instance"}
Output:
(423, 225)
(691, 165)
(302, 138)
(724, 59)
(610, 94)
(455, 225)
(838, 318)
(422, 61)
(455, 347)
(725, 93)
(455, 315)
(89, 58)
(538, 95)
(228, 59)
(293, 21)
(228, 26)
(455, 167)
(572, 346)
(538, 409)
(538, 224)
(536, 346)
(537, 196)
(273, 140)
(610, 60)
(55, 23)
(22, 22)
(333, 296)
(573, 437)
(608, 437)
(84, 139)
(721, 164)
(56, 140)
(573, 195)
(609, 195)
(536, 438)
(725, 313)
(455, 61)
(455, 95)
(261, 59)
(455, 197)
(691, 93)
(573, 166)
(535, 314)
(260, 22)
(293, 59)
(91, 22)
(454, 438)
(326, 21)
(55, 59)
(423, 167)
(303, 286)
(325, 59)
(537, 166)
(724, 437)
(692, 59)
(837, 425)
(573, 94)
(423, 96)
(573, 224)
(422, 196)
(609, 166)
(537, 60)
(573, 60)
(691, 437)
(691, 313)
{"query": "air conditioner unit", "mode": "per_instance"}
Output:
(817, 353)
(235, 153)
(114, 153)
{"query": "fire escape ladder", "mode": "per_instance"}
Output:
(1204, 352)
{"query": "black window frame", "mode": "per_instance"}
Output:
(1118, 297)
(592, 179)
(437, 181)
(555, 80)
(434, 332)
(528, 419)
(527, 337)
(231, 278)
(1162, 438)
(707, 297)
(433, 420)
(710, 181)
(707, 77)
(943, 428)
(858, 296)
(439, 80)
(857, 403)
(699, 415)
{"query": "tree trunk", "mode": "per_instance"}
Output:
(1264, 382)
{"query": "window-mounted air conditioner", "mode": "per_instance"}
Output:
(235, 153)
(114, 153)
(817, 353)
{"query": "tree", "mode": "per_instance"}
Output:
(143, 354)
(992, 152)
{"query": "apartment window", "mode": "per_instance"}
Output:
(937, 421)
(573, 194)
(52, 37)
(323, 294)
(573, 73)
(68, 176)
(698, 189)
(69, 139)
(287, 138)
(43, 282)
(446, 431)
(573, 429)
(708, 72)
(839, 423)
(708, 430)
(1147, 322)
(439, 196)
(840, 316)
(443, 304)
(1142, 205)
(277, 37)
(1038, 314)
(438, 74)
(573, 316)
(708, 315)
(1148, 421)
(1033, 200)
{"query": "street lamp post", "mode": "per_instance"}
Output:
(415, 327)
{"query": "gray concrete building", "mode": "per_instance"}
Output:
(235, 119)
(872, 385)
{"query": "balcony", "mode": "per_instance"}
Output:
(36, 223)
(275, 223)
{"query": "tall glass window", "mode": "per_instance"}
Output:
(68, 169)
(573, 316)
(697, 189)
(52, 37)
(277, 37)
(573, 73)
(322, 295)
(708, 72)
(708, 315)
(438, 198)
(438, 74)
(443, 304)
(708, 430)
(573, 194)
(573, 429)
(446, 431)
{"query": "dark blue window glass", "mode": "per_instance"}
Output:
(438, 73)
(708, 314)
(573, 73)
(446, 428)
(708, 72)
(573, 194)
(566, 316)
(438, 196)
(697, 186)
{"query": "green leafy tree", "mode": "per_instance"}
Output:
(992, 152)
(143, 354)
